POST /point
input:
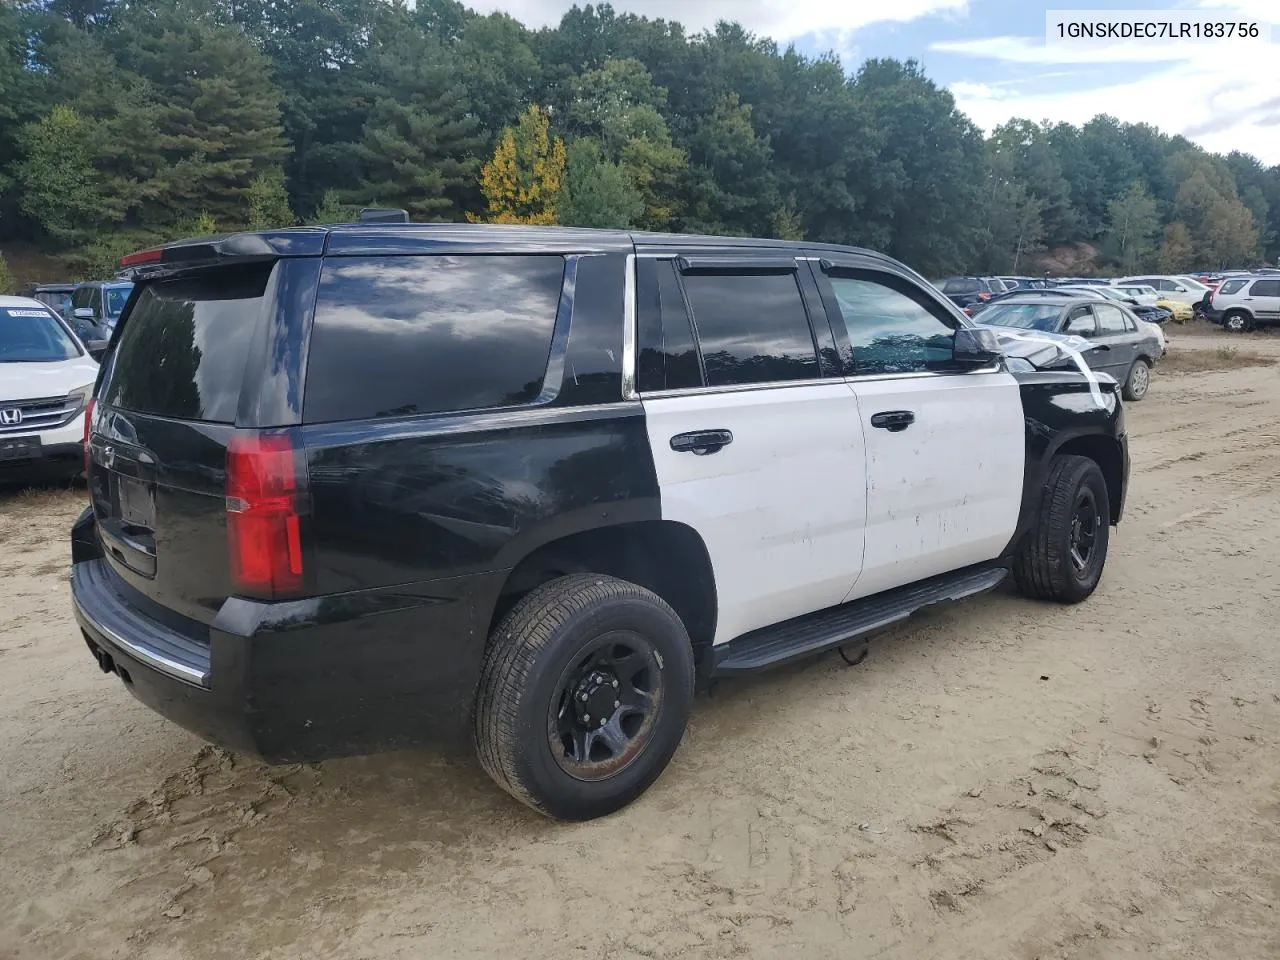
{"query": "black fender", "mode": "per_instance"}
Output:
(1067, 412)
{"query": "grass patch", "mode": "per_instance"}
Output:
(1207, 361)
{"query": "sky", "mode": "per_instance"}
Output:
(993, 56)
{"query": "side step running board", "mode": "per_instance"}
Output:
(816, 632)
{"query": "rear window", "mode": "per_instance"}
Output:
(116, 297)
(961, 286)
(184, 345)
(1024, 316)
(396, 336)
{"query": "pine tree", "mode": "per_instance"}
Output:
(524, 178)
(597, 193)
(60, 189)
(419, 146)
(331, 210)
(269, 201)
(218, 123)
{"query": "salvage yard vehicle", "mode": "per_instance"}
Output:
(46, 379)
(371, 486)
(1123, 346)
(1246, 303)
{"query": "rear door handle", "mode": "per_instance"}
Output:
(701, 442)
(895, 421)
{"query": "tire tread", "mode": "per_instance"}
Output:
(515, 647)
(1038, 565)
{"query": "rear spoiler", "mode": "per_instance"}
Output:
(259, 245)
(235, 247)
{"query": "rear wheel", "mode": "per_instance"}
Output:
(1237, 321)
(1062, 556)
(1135, 387)
(584, 696)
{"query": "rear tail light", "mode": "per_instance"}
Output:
(142, 256)
(263, 530)
(88, 425)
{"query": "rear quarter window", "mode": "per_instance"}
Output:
(1232, 286)
(398, 336)
(183, 348)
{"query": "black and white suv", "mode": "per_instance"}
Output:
(369, 486)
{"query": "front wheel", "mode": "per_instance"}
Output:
(1237, 321)
(584, 695)
(1135, 387)
(1062, 555)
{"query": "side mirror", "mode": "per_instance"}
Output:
(976, 347)
(83, 313)
(1131, 301)
(96, 348)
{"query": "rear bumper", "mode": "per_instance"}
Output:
(302, 680)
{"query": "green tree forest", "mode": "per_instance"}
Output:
(125, 122)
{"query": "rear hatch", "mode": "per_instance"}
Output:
(165, 414)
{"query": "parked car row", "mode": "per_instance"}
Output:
(91, 308)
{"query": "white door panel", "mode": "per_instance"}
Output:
(781, 508)
(945, 492)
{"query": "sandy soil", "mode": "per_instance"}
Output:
(999, 779)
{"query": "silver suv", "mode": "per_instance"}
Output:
(1245, 303)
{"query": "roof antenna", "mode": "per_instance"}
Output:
(384, 215)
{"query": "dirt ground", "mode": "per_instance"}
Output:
(999, 779)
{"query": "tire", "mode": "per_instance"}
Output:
(1044, 567)
(1236, 321)
(1138, 381)
(543, 669)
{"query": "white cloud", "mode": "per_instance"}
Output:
(780, 19)
(1224, 98)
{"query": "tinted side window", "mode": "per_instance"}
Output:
(395, 336)
(1110, 319)
(668, 357)
(83, 297)
(183, 350)
(891, 325)
(752, 327)
(1265, 288)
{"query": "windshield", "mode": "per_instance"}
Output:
(1025, 316)
(1193, 284)
(28, 335)
(115, 297)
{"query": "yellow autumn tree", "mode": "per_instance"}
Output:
(525, 175)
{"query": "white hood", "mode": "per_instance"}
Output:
(26, 381)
